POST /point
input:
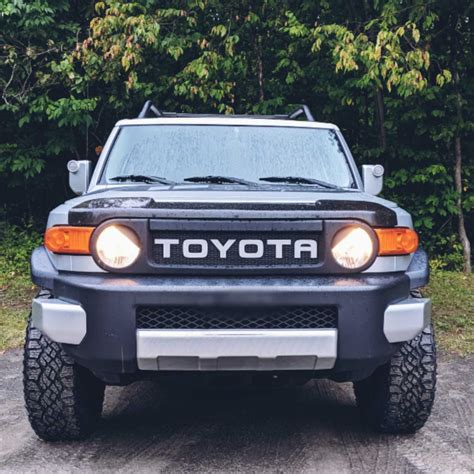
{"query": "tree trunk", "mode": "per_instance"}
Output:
(260, 69)
(466, 245)
(457, 52)
(380, 116)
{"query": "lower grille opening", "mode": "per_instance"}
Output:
(199, 317)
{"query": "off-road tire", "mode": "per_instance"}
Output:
(398, 397)
(63, 400)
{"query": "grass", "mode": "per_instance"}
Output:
(452, 294)
(453, 305)
(16, 291)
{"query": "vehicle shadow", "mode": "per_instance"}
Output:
(196, 427)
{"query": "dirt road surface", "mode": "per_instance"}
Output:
(148, 427)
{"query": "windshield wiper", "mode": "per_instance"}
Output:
(215, 179)
(299, 180)
(139, 178)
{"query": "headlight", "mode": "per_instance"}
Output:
(352, 247)
(117, 246)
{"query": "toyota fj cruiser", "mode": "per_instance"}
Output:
(227, 243)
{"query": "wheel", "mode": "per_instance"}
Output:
(63, 400)
(398, 397)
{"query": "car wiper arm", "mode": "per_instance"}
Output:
(139, 178)
(215, 179)
(299, 180)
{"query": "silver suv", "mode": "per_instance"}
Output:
(227, 243)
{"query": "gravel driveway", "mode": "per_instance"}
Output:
(148, 427)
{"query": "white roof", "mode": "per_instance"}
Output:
(225, 120)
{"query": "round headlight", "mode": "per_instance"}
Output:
(352, 247)
(117, 246)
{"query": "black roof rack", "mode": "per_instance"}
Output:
(302, 109)
(149, 108)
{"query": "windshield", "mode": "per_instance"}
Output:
(177, 152)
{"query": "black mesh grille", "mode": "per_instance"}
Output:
(194, 317)
(232, 258)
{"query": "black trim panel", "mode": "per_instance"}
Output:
(241, 225)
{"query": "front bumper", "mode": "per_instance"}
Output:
(271, 349)
(98, 325)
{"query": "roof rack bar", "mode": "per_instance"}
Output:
(302, 109)
(147, 107)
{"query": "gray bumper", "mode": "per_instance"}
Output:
(406, 319)
(60, 321)
(271, 349)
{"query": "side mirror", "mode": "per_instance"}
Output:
(79, 175)
(372, 176)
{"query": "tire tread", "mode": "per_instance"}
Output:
(399, 396)
(63, 400)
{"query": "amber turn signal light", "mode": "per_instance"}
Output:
(68, 239)
(397, 241)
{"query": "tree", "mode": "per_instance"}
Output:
(41, 119)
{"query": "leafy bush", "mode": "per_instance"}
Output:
(16, 245)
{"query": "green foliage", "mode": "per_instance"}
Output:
(16, 245)
(391, 74)
(386, 52)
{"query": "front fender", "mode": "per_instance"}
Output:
(419, 270)
(41, 268)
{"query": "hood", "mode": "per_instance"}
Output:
(219, 202)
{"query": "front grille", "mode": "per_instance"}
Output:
(213, 259)
(198, 317)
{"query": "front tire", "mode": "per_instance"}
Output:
(63, 400)
(398, 397)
